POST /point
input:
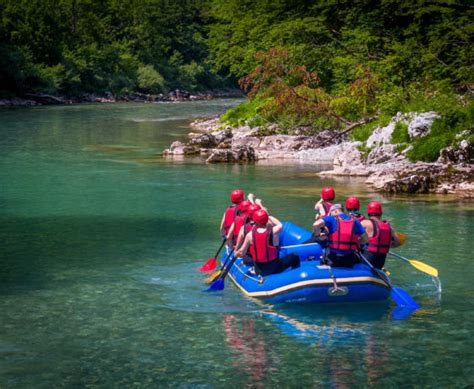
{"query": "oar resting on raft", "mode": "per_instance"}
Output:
(219, 283)
(401, 297)
(210, 264)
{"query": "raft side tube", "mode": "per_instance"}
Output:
(293, 234)
(305, 251)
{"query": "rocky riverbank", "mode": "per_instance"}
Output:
(36, 99)
(385, 166)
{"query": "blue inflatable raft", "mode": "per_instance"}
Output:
(312, 282)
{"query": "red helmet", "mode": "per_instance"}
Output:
(260, 217)
(253, 208)
(244, 205)
(237, 196)
(374, 208)
(328, 193)
(352, 203)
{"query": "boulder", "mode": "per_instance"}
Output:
(179, 148)
(421, 123)
(413, 183)
(224, 135)
(205, 140)
(324, 155)
(463, 154)
(347, 154)
(239, 141)
(382, 154)
(382, 135)
(236, 154)
(281, 142)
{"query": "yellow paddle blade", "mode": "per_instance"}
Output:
(402, 238)
(213, 277)
(424, 268)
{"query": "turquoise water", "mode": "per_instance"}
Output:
(101, 237)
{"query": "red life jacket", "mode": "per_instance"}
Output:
(382, 238)
(344, 238)
(240, 221)
(261, 249)
(230, 215)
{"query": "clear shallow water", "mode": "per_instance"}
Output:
(101, 238)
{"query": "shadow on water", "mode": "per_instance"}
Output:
(53, 252)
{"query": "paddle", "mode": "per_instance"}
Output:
(401, 297)
(214, 276)
(219, 284)
(211, 263)
(430, 270)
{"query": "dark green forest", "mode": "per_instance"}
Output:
(339, 64)
(75, 46)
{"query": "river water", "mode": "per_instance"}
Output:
(101, 238)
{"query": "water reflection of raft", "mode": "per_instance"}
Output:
(312, 282)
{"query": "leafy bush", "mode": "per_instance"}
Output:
(400, 134)
(239, 115)
(149, 80)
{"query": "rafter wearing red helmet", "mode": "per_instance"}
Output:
(241, 225)
(324, 204)
(236, 197)
(345, 234)
(263, 241)
(381, 236)
(352, 207)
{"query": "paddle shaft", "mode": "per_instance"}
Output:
(379, 272)
(228, 267)
(220, 248)
(399, 256)
(225, 261)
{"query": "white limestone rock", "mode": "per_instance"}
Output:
(421, 124)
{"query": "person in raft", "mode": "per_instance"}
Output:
(263, 243)
(323, 205)
(244, 230)
(241, 221)
(352, 207)
(241, 224)
(236, 197)
(381, 236)
(345, 235)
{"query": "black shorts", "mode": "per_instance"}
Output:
(278, 265)
(376, 259)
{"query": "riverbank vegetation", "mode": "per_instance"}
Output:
(72, 47)
(350, 66)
